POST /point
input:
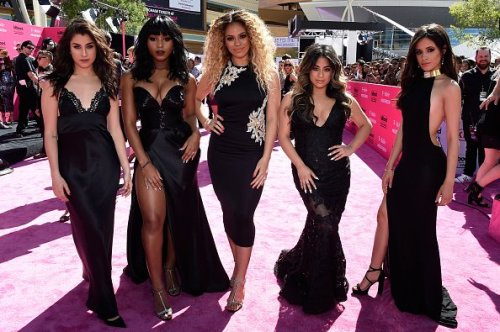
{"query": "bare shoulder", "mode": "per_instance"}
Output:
(447, 85)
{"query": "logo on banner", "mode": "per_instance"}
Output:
(355, 92)
(383, 121)
(373, 99)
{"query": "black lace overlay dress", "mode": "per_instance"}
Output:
(313, 272)
(413, 248)
(163, 133)
(233, 155)
(89, 163)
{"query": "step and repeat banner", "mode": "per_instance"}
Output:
(379, 104)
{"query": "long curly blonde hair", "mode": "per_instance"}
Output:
(261, 54)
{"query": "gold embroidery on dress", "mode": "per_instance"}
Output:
(257, 123)
(230, 75)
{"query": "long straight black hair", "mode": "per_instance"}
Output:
(412, 70)
(144, 65)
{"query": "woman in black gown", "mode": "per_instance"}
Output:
(168, 230)
(85, 147)
(239, 71)
(313, 272)
(424, 177)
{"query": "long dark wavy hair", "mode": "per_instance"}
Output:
(177, 61)
(302, 101)
(104, 67)
(412, 70)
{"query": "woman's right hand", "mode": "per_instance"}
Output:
(60, 188)
(306, 177)
(152, 178)
(387, 180)
(492, 98)
(214, 124)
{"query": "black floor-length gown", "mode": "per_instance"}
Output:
(313, 272)
(233, 155)
(89, 163)
(163, 133)
(413, 248)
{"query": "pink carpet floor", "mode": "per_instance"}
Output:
(40, 274)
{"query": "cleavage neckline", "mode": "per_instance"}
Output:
(164, 97)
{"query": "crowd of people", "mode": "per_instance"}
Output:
(253, 103)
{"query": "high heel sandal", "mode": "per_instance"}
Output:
(173, 287)
(234, 305)
(474, 190)
(358, 291)
(165, 313)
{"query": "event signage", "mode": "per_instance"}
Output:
(379, 104)
(189, 14)
(286, 42)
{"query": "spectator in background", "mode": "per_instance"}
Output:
(7, 87)
(116, 58)
(130, 58)
(290, 77)
(192, 68)
(197, 64)
(26, 81)
(44, 59)
(475, 85)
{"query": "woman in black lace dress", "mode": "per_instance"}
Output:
(85, 147)
(240, 73)
(313, 272)
(168, 233)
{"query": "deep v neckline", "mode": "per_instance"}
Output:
(159, 103)
(79, 101)
(327, 117)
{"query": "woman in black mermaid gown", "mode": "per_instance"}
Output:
(168, 230)
(424, 177)
(313, 272)
(239, 72)
(85, 147)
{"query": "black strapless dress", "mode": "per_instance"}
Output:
(313, 272)
(163, 133)
(89, 163)
(413, 248)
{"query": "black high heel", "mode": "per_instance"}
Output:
(381, 278)
(474, 190)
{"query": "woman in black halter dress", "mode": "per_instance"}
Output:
(424, 177)
(168, 233)
(313, 272)
(85, 147)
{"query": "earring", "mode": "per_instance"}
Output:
(442, 61)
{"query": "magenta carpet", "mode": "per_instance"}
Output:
(40, 274)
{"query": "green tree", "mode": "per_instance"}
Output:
(136, 9)
(482, 14)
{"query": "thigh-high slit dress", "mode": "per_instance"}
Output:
(413, 247)
(162, 134)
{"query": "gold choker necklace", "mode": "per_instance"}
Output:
(432, 73)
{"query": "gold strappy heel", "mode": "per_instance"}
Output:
(173, 287)
(166, 312)
(234, 305)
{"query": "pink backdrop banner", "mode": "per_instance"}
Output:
(379, 104)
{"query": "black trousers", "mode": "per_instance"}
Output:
(27, 101)
(474, 151)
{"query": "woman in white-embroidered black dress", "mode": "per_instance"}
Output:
(239, 71)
